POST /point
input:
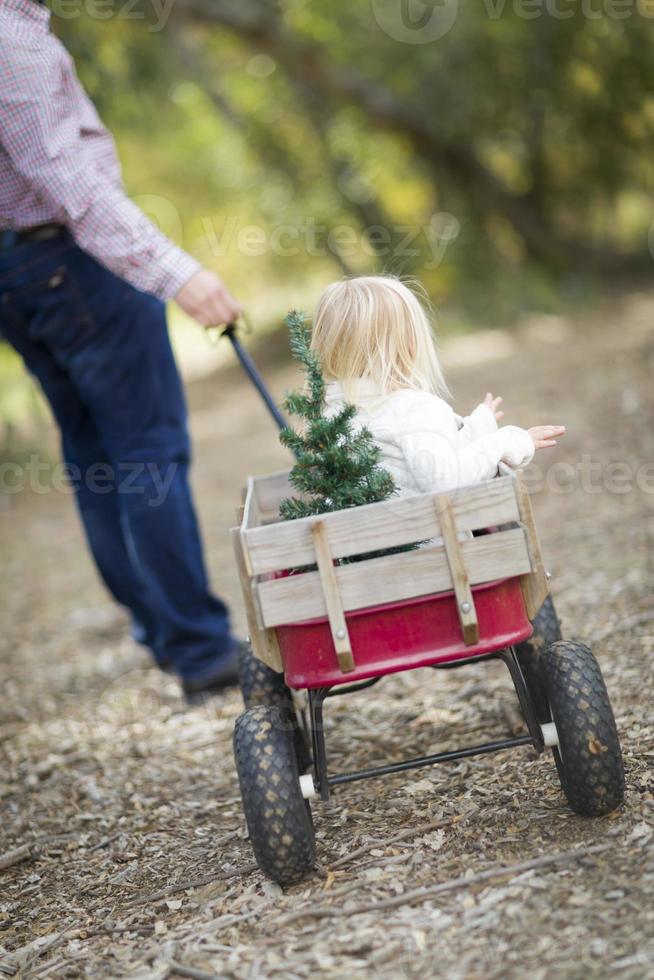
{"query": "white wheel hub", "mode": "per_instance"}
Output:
(550, 734)
(306, 786)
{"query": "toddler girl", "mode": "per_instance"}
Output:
(377, 349)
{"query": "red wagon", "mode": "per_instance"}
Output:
(329, 615)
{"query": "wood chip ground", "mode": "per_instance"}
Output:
(123, 851)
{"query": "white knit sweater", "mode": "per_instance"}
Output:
(426, 446)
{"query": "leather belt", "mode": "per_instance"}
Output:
(39, 233)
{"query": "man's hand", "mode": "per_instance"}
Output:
(207, 299)
(494, 405)
(544, 436)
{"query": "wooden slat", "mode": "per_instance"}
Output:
(465, 603)
(240, 510)
(397, 521)
(251, 512)
(535, 586)
(335, 613)
(271, 490)
(393, 577)
(264, 641)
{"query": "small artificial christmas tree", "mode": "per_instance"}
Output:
(336, 467)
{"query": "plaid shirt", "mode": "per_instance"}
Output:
(59, 164)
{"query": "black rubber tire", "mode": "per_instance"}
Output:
(588, 758)
(277, 815)
(547, 630)
(259, 683)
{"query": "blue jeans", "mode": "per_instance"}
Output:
(101, 353)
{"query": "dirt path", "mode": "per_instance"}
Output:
(129, 802)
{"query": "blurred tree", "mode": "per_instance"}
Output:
(492, 87)
(514, 148)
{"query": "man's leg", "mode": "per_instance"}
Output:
(109, 345)
(100, 514)
(82, 451)
(127, 377)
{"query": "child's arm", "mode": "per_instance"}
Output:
(481, 421)
(435, 456)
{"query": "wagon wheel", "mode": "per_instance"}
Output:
(547, 630)
(588, 756)
(261, 684)
(278, 816)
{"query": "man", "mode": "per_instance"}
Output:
(83, 280)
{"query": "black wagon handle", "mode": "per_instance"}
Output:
(252, 372)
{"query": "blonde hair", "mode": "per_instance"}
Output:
(376, 328)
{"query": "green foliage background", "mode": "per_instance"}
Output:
(534, 133)
(515, 150)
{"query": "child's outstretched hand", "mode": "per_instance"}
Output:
(494, 405)
(545, 436)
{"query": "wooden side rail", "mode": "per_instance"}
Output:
(263, 545)
(535, 585)
(264, 641)
(373, 527)
(271, 490)
(392, 578)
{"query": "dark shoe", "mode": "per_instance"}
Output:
(225, 675)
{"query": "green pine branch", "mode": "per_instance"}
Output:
(336, 466)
